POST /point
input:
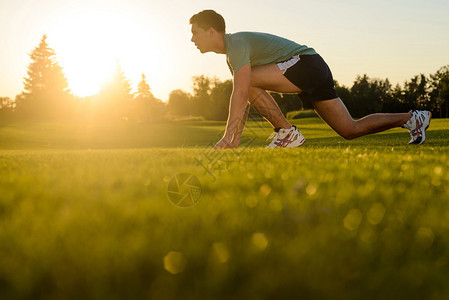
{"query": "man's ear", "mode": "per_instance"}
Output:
(211, 32)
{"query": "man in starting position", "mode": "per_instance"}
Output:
(261, 62)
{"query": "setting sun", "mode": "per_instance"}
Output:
(89, 44)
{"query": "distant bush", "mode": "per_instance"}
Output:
(301, 114)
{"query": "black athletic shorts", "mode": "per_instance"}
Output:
(313, 76)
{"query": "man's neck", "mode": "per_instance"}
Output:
(221, 47)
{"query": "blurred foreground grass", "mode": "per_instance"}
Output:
(333, 219)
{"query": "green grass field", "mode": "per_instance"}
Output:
(85, 213)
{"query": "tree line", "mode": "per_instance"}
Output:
(369, 95)
(46, 95)
(210, 98)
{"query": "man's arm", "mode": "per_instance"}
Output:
(237, 106)
(236, 138)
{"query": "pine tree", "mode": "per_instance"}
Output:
(44, 72)
(146, 107)
(46, 93)
(143, 89)
(115, 96)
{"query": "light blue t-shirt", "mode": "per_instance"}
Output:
(259, 48)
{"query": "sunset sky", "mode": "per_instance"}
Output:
(393, 39)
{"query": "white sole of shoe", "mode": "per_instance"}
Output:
(424, 131)
(298, 142)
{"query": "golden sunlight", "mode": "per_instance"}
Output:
(88, 45)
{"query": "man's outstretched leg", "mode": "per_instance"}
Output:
(335, 114)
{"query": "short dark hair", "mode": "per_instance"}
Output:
(209, 18)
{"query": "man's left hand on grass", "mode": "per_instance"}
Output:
(225, 144)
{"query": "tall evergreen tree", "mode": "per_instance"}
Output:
(146, 107)
(114, 98)
(46, 91)
(143, 88)
(44, 72)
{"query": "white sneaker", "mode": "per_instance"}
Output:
(417, 125)
(286, 138)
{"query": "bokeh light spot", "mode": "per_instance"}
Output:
(353, 219)
(174, 262)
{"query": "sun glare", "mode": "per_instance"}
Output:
(88, 45)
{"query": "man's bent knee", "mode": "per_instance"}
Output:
(348, 136)
(350, 133)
